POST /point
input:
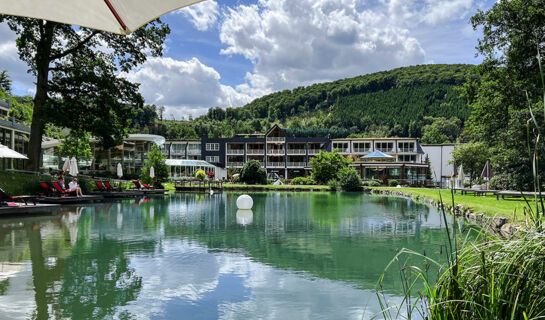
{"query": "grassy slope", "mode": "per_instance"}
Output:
(487, 205)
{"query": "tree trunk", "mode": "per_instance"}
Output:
(42, 69)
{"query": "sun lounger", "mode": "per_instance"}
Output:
(100, 186)
(47, 189)
(139, 185)
(4, 197)
(62, 192)
(108, 186)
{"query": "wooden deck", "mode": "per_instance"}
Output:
(71, 200)
(21, 208)
(517, 194)
(198, 186)
(475, 192)
(118, 195)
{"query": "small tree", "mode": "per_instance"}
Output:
(76, 144)
(156, 159)
(350, 179)
(326, 166)
(200, 175)
(428, 171)
(253, 173)
(472, 156)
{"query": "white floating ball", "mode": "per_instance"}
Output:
(245, 217)
(245, 202)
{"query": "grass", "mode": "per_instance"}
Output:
(488, 205)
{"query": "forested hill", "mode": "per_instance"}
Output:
(399, 102)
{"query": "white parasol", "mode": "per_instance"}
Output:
(66, 165)
(6, 152)
(152, 172)
(73, 167)
(119, 170)
(116, 16)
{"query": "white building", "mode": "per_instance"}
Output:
(440, 156)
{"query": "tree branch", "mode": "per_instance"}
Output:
(75, 48)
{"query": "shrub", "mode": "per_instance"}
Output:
(327, 165)
(253, 173)
(211, 175)
(467, 185)
(333, 185)
(200, 175)
(393, 182)
(301, 181)
(502, 182)
(372, 183)
(350, 180)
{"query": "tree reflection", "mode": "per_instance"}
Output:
(97, 280)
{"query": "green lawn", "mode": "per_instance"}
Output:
(487, 205)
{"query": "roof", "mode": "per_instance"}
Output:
(158, 140)
(377, 155)
(375, 138)
(188, 163)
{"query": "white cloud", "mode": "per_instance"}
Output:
(9, 60)
(184, 87)
(203, 15)
(442, 11)
(293, 43)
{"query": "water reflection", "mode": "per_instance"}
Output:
(294, 255)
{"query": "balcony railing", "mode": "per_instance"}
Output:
(235, 164)
(194, 152)
(276, 151)
(235, 151)
(275, 164)
(314, 151)
(362, 150)
(276, 139)
(343, 150)
(385, 149)
(297, 151)
(297, 164)
(405, 150)
(255, 151)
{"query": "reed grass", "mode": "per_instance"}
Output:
(490, 278)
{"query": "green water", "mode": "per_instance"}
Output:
(187, 256)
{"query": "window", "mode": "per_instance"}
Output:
(406, 147)
(212, 147)
(341, 146)
(385, 146)
(362, 146)
(212, 159)
(407, 158)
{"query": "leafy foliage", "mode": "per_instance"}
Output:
(76, 144)
(156, 159)
(200, 175)
(472, 156)
(253, 173)
(350, 180)
(326, 166)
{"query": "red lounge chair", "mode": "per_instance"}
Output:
(48, 190)
(61, 191)
(145, 186)
(4, 197)
(108, 186)
(138, 185)
(100, 186)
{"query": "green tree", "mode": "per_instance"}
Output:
(350, 179)
(156, 159)
(5, 81)
(327, 166)
(77, 85)
(253, 173)
(506, 83)
(76, 144)
(472, 156)
(441, 130)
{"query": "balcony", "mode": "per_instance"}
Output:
(235, 164)
(258, 152)
(276, 151)
(405, 150)
(297, 164)
(276, 139)
(343, 150)
(297, 151)
(314, 151)
(196, 152)
(235, 151)
(275, 164)
(362, 150)
(385, 149)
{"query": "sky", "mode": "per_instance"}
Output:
(227, 53)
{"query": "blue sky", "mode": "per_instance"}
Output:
(226, 53)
